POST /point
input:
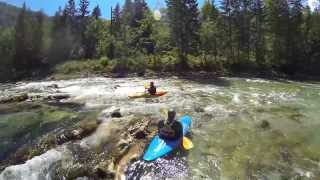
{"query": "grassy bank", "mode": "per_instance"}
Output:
(138, 65)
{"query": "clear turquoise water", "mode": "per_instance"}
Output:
(227, 134)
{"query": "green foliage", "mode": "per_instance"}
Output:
(28, 40)
(82, 66)
(184, 27)
(7, 49)
(116, 21)
(91, 37)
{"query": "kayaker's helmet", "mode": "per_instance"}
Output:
(171, 115)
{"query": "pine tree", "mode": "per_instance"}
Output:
(184, 27)
(62, 38)
(21, 29)
(92, 35)
(258, 9)
(227, 29)
(209, 31)
(144, 32)
(127, 13)
(192, 26)
(83, 9)
(208, 11)
(70, 9)
(139, 10)
(96, 12)
(116, 20)
(296, 43)
(38, 38)
(278, 26)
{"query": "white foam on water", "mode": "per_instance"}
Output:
(36, 168)
(236, 98)
(257, 80)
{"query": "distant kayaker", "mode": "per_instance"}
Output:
(170, 128)
(152, 89)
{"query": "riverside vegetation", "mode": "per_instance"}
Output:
(270, 37)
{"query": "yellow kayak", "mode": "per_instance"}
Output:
(147, 95)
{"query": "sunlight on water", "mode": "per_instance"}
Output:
(242, 128)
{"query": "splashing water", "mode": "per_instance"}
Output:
(37, 168)
(242, 128)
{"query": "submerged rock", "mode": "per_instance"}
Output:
(14, 98)
(84, 129)
(18, 107)
(105, 170)
(55, 86)
(113, 112)
(116, 114)
(106, 153)
(264, 124)
(48, 96)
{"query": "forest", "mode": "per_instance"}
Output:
(271, 37)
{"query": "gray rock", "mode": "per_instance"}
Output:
(14, 98)
(264, 124)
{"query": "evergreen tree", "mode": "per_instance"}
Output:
(192, 26)
(70, 9)
(140, 7)
(144, 33)
(38, 38)
(116, 20)
(62, 38)
(96, 12)
(184, 27)
(278, 26)
(127, 13)
(258, 10)
(92, 35)
(209, 30)
(21, 44)
(227, 29)
(295, 40)
(208, 11)
(83, 9)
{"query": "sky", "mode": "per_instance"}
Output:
(51, 6)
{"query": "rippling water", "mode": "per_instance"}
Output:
(242, 128)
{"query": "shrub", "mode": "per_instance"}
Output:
(71, 67)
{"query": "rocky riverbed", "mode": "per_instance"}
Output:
(89, 129)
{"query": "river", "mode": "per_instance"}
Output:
(242, 128)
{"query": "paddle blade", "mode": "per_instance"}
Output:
(187, 143)
(146, 85)
(164, 112)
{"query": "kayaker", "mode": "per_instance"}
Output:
(170, 128)
(152, 89)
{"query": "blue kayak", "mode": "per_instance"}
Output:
(160, 147)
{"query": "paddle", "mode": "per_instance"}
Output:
(186, 142)
(146, 85)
